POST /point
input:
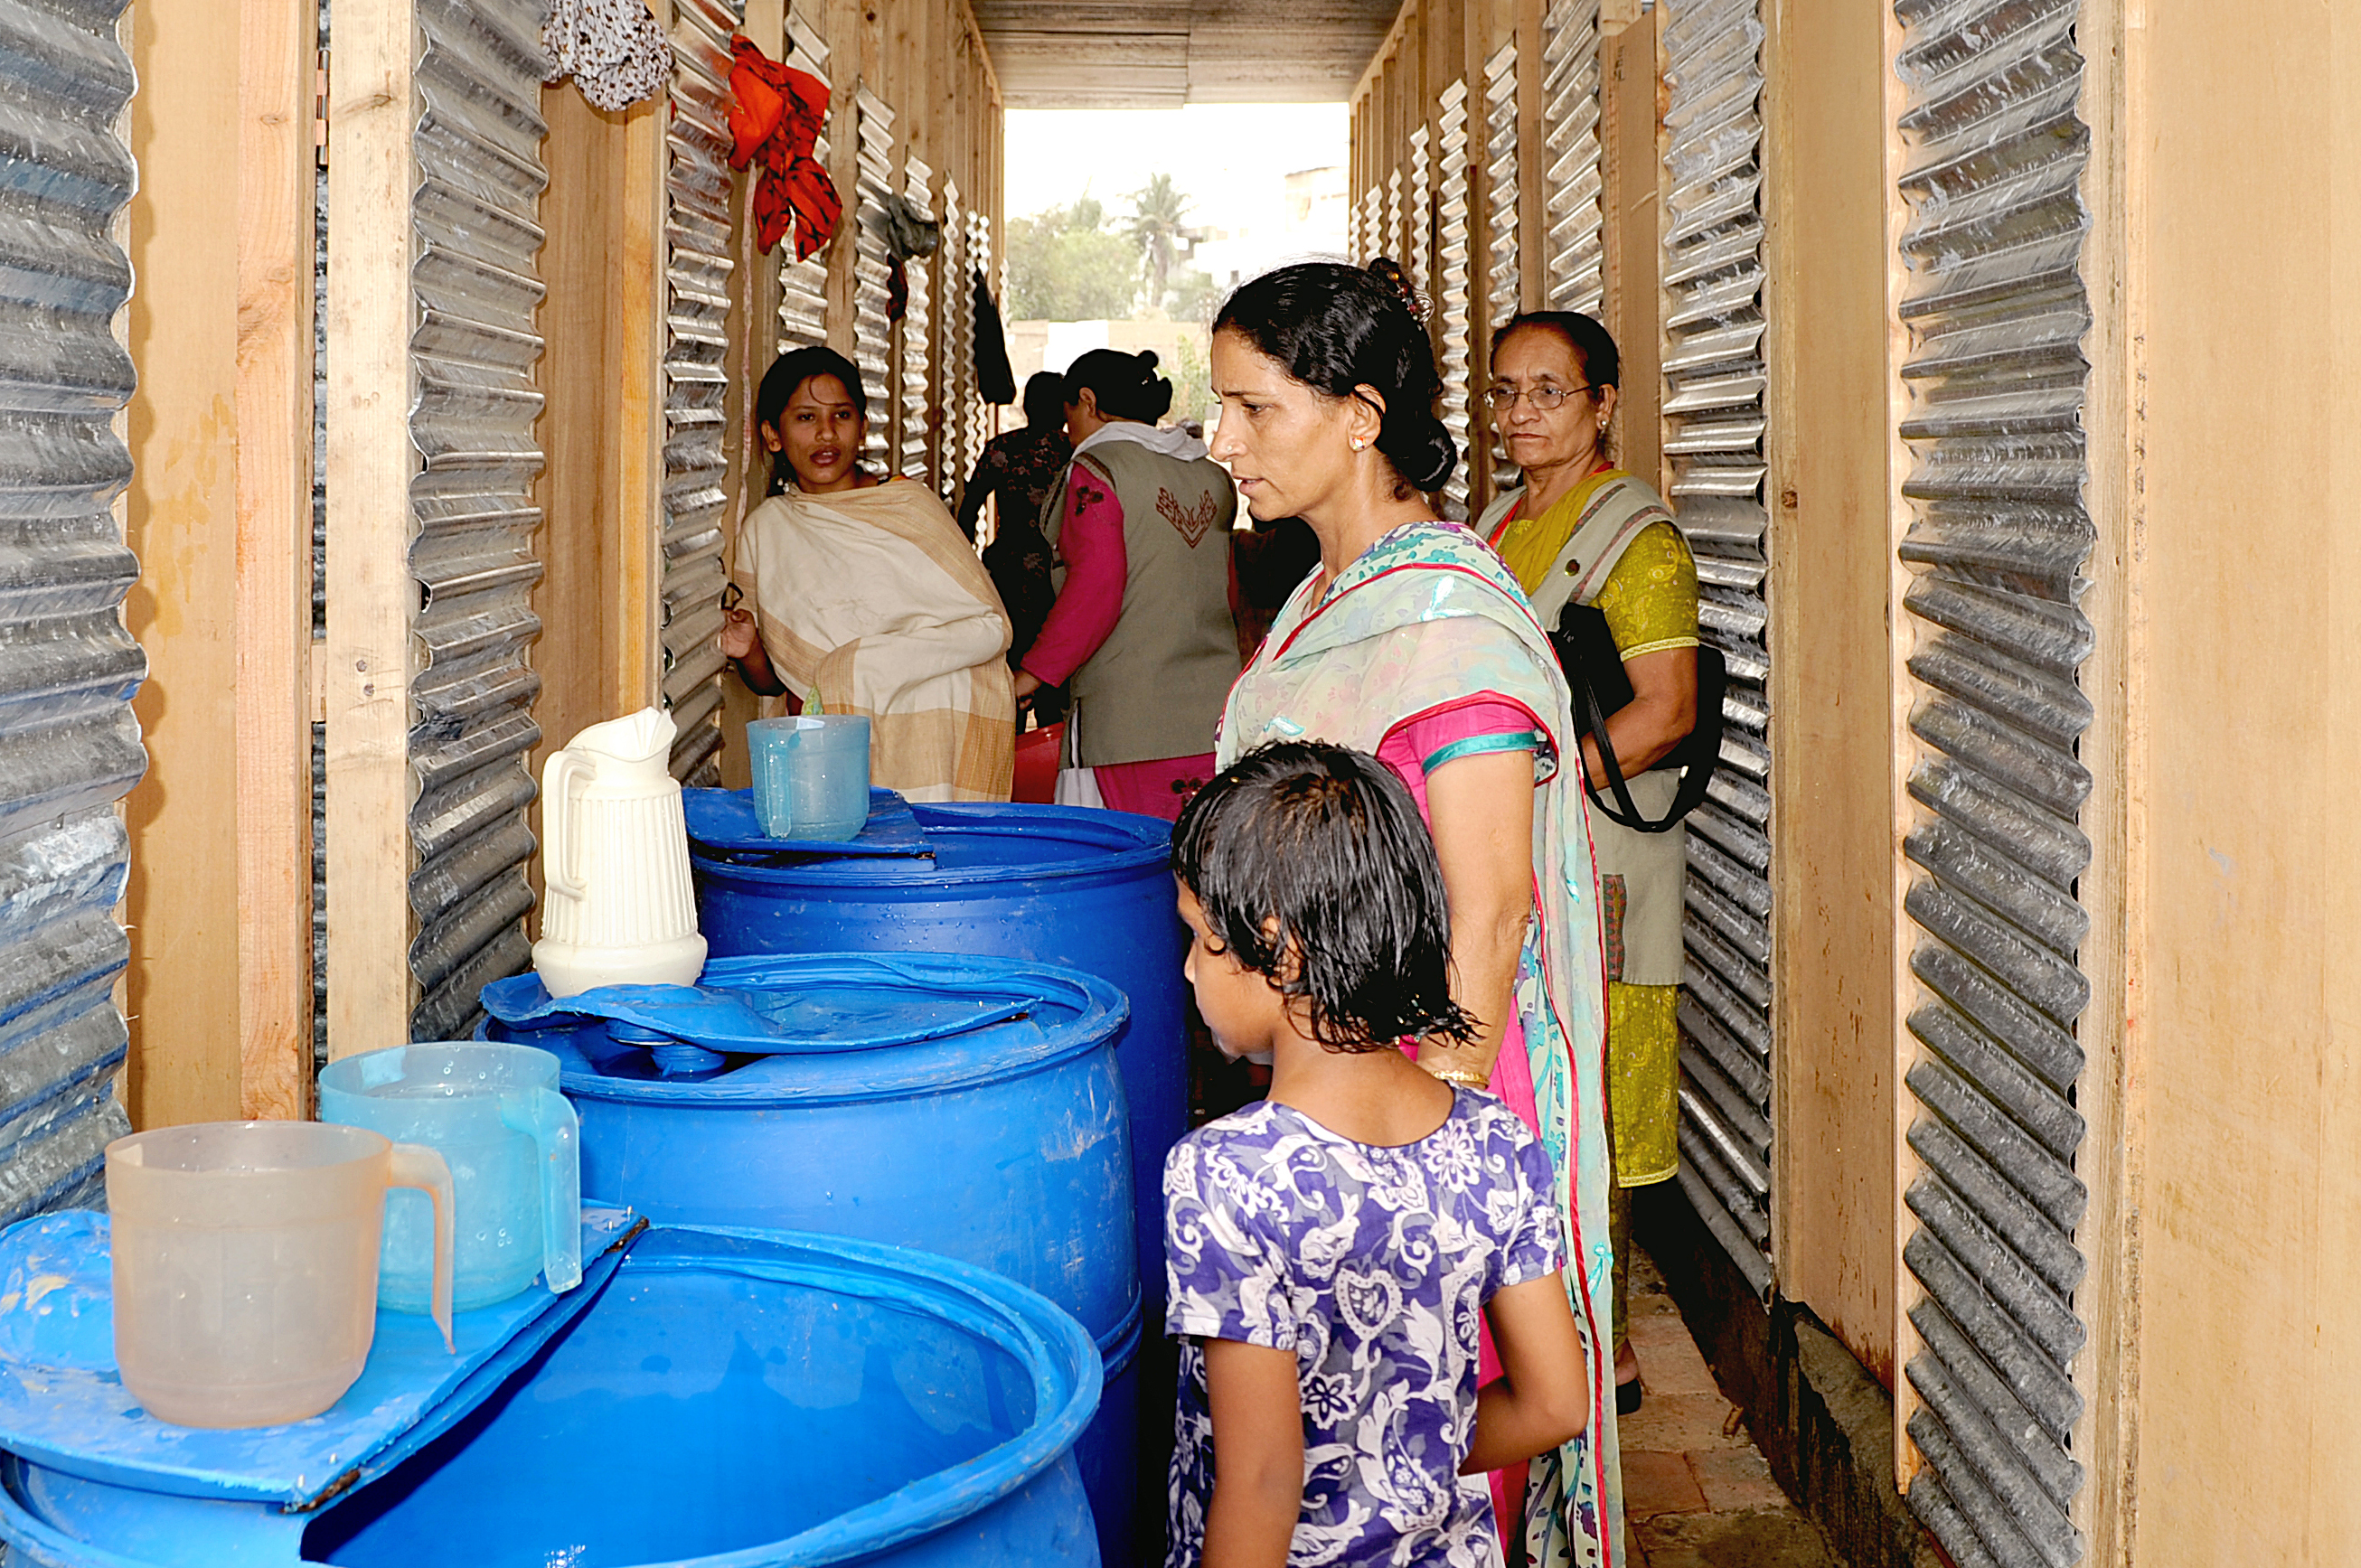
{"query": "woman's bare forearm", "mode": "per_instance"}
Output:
(1482, 812)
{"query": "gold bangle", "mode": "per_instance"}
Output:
(1466, 1077)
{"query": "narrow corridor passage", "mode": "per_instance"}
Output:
(1697, 1492)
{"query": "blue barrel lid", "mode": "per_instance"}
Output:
(981, 843)
(723, 821)
(308, 1463)
(969, 1019)
(58, 1409)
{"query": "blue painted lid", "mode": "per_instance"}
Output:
(63, 1405)
(979, 842)
(722, 822)
(866, 1027)
(330, 1457)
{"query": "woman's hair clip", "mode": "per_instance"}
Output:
(1389, 272)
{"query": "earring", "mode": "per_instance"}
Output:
(1357, 444)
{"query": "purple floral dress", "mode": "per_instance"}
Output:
(1373, 1264)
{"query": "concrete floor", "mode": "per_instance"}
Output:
(1695, 1492)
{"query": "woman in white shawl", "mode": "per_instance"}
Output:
(862, 597)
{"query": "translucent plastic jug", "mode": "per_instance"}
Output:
(811, 776)
(615, 862)
(244, 1264)
(494, 1114)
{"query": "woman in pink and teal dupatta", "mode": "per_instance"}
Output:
(1414, 643)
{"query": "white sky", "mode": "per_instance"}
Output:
(1213, 151)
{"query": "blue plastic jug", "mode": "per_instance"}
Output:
(811, 776)
(495, 1114)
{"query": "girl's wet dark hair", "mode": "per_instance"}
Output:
(1126, 386)
(1317, 850)
(1337, 328)
(1594, 347)
(1045, 398)
(789, 371)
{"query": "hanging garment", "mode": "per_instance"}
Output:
(777, 114)
(908, 230)
(994, 381)
(613, 50)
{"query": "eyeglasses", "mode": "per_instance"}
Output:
(1500, 399)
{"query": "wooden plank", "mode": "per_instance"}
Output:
(1632, 173)
(1532, 219)
(275, 236)
(371, 173)
(1901, 984)
(1827, 348)
(2117, 1038)
(588, 421)
(2240, 406)
(635, 297)
(180, 992)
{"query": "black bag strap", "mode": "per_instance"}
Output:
(1698, 754)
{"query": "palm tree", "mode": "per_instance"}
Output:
(1158, 208)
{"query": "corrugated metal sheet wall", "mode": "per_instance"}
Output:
(979, 261)
(1418, 216)
(873, 329)
(1714, 380)
(802, 285)
(698, 269)
(1571, 179)
(1996, 311)
(1456, 291)
(955, 316)
(474, 277)
(1504, 279)
(915, 455)
(69, 745)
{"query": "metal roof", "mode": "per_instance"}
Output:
(1161, 54)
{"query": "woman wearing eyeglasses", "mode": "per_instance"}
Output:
(1581, 531)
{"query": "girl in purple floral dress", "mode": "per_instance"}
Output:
(1330, 1251)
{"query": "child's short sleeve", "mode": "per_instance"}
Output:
(1534, 1247)
(1224, 1275)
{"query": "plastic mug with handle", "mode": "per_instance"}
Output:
(495, 1114)
(244, 1264)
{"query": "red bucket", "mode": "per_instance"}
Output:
(1036, 764)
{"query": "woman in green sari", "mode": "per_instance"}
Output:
(1581, 531)
(1411, 641)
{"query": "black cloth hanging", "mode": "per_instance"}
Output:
(994, 381)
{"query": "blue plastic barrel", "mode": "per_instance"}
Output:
(742, 1399)
(1089, 889)
(1005, 1145)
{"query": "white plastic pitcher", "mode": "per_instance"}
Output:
(245, 1263)
(614, 862)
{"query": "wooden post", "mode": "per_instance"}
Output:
(601, 424)
(1631, 192)
(2125, 768)
(276, 85)
(370, 660)
(182, 993)
(1532, 157)
(1829, 353)
(636, 303)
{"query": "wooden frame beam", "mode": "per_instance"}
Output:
(370, 660)
(276, 86)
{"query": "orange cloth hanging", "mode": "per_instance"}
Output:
(775, 116)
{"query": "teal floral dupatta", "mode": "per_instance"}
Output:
(1427, 617)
